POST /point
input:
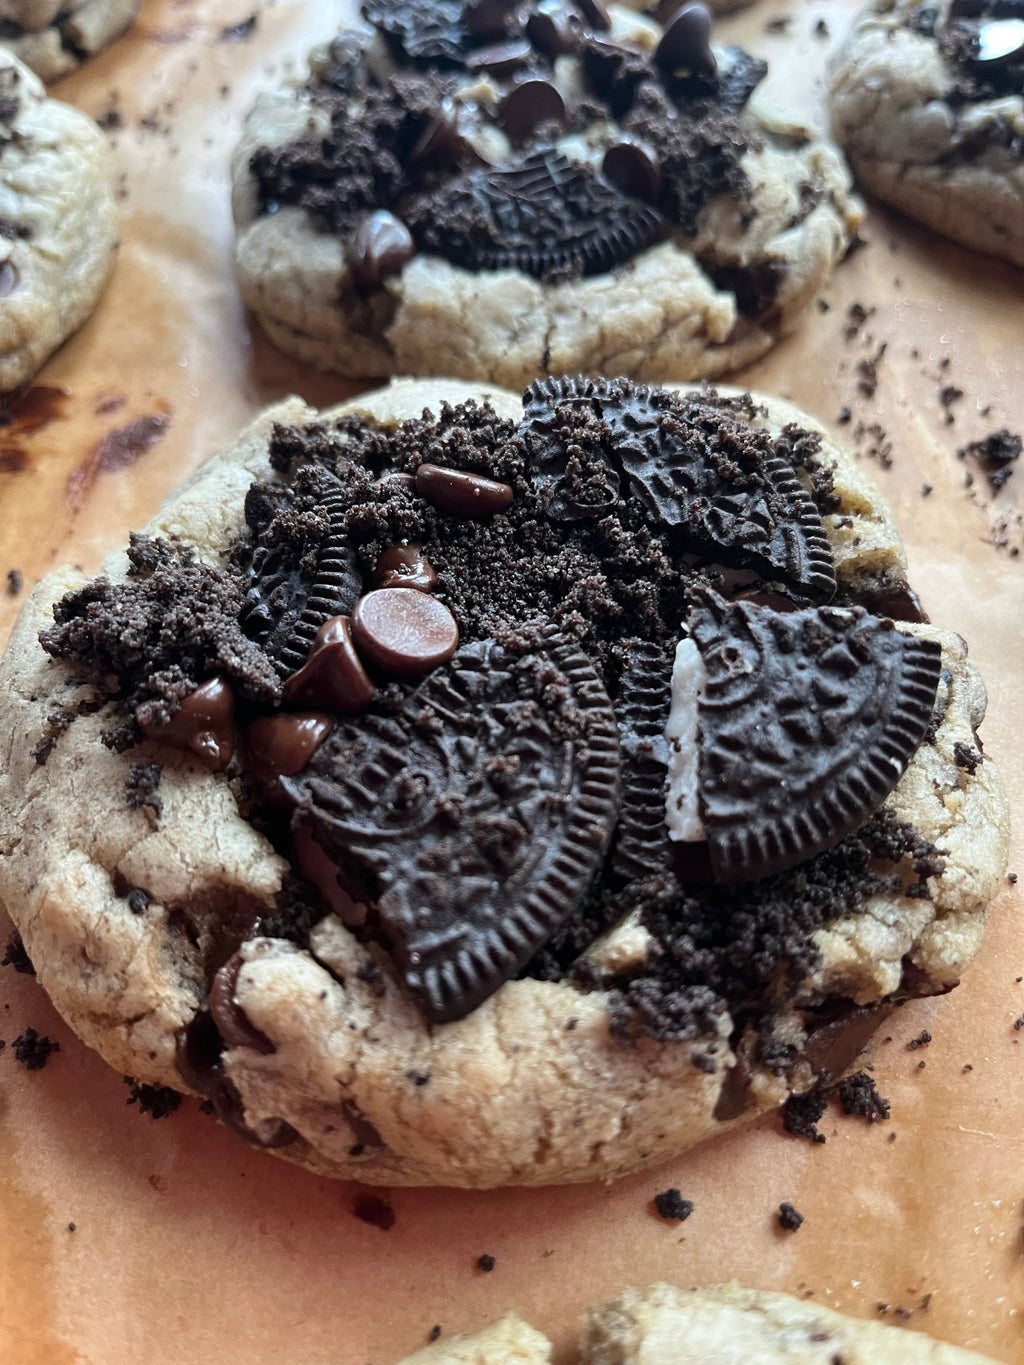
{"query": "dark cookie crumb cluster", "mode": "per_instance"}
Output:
(671, 1205)
(33, 1050)
(158, 1101)
(789, 1219)
(858, 1095)
(15, 956)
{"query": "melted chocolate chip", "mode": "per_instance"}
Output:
(480, 811)
(383, 245)
(333, 677)
(807, 722)
(686, 42)
(403, 632)
(404, 566)
(462, 494)
(230, 1019)
(633, 171)
(204, 723)
(529, 105)
(553, 32)
(281, 746)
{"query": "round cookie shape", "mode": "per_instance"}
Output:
(325, 938)
(58, 234)
(505, 192)
(928, 102)
(53, 37)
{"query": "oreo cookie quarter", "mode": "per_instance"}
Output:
(477, 814)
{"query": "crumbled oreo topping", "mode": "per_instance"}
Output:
(15, 956)
(140, 788)
(33, 1050)
(789, 1219)
(158, 1101)
(858, 1095)
(802, 1113)
(670, 1204)
(172, 625)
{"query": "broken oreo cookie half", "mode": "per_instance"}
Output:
(800, 725)
(476, 815)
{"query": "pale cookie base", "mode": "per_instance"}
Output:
(528, 1089)
(508, 1342)
(659, 317)
(887, 96)
(55, 192)
(728, 1325)
(61, 34)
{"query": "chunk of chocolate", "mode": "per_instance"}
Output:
(719, 488)
(403, 632)
(232, 1022)
(461, 493)
(404, 566)
(552, 30)
(281, 746)
(686, 42)
(541, 214)
(529, 105)
(204, 724)
(333, 677)
(479, 811)
(807, 722)
(632, 170)
(383, 245)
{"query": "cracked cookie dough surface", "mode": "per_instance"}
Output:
(54, 37)
(739, 251)
(530, 1087)
(58, 223)
(932, 126)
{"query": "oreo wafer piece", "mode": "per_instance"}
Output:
(715, 483)
(477, 813)
(303, 573)
(645, 696)
(807, 721)
(541, 213)
(428, 35)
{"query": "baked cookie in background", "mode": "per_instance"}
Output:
(54, 37)
(721, 1325)
(497, 192)
(928, 101)
(460, 655)
(58, 222)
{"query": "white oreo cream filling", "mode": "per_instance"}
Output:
(682, 801)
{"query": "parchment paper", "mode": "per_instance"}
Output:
(187, 1246)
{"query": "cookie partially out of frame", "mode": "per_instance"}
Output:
(928, 101)
(58, 222)
(579, 189)
(517, 953)
(721, 1325)
(54, 37)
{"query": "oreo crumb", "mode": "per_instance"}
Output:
(995, 453)
(370, 1208)
(921, 1066)
(72, 1227)
(948, 395)
(856, 316)
(670, 1204)
(964, 756)
(867, 371)
(240, 32)
(926, 488)
(206, 1107)
(33, 1050)
(15, 956)
(858, 1096)
(138, 900)
(158, 1101)
(140, 787)
(845, 416)
(486, 1263)
(434, 1332)
(1018, 1024)
(821, 29)
(800, 1115)
(788, 1218)
(15, 581)
(922, 1040)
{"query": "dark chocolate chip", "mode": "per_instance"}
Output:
(480, 811)
(734, 496)
(231, 1021)
(281, 746)
(500, 59)
(383, 245)
(528, 105)
(686, 43)
(441, 146)
(204, 723)
(403, 632)
(333, 678)
(807, 722)
(633, 171)
(542, 214)
(8, 279)
(553, 32)
(833, 1046)
(489, 18)
(897, 600)
(404, 566)
(460, 493)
